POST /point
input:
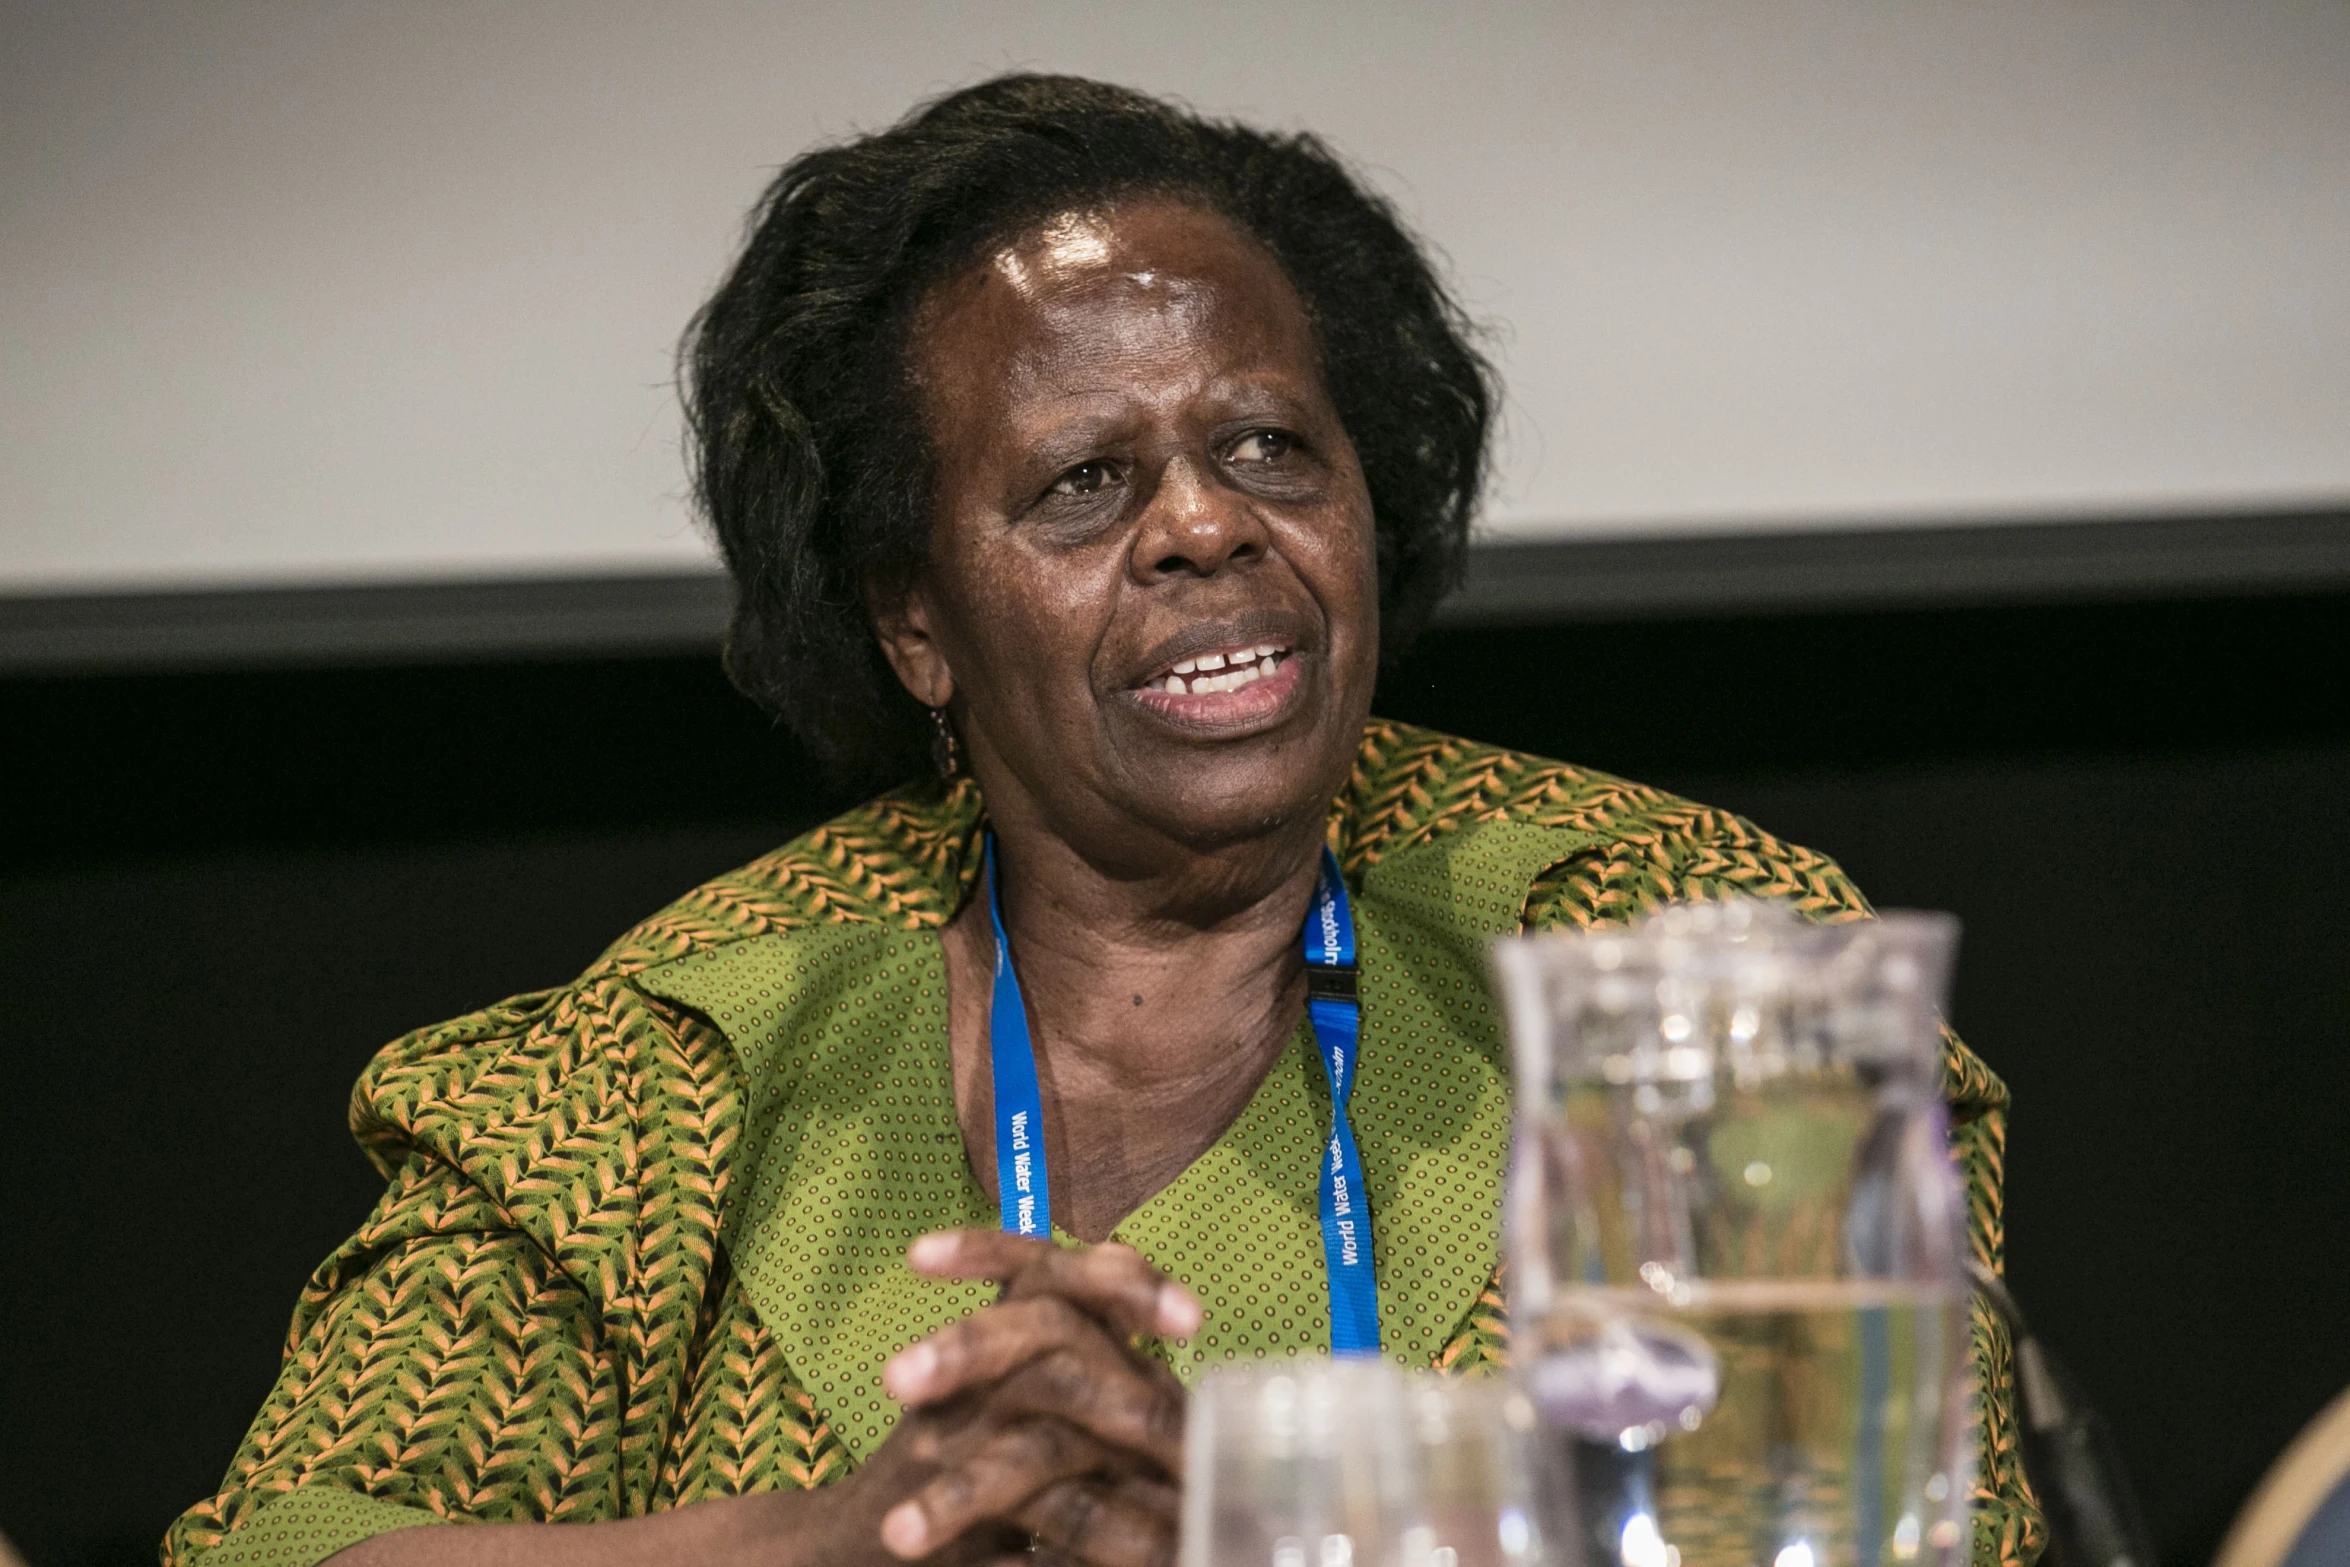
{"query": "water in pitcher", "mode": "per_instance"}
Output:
(1737, 1240)
(1755, 1423)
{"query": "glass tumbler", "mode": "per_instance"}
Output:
(1737, 1242)
(1352, 1463)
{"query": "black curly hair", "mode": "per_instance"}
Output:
(808, 452)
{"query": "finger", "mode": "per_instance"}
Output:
(1114, 1282)
(995, 1480)
(1095, 1386)
(1123, 1525)
(936, 1433)
(982, 1347)
(971, 1355)
(1117, 1284)
(974, 1253)
(1044, 1357)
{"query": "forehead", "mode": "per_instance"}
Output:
(1117, 279)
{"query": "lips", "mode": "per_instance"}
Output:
(1235, 685)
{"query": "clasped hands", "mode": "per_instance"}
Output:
(1035, 1425)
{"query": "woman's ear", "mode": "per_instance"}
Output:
(903, 624)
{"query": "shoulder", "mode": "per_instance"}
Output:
(1645, 846)
(1642, 847)
(608, 1059)
(905, 860)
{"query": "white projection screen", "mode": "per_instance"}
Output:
(350, 293)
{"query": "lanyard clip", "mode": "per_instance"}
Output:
(1331, 982)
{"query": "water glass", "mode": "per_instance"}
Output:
(1352, 1463)
(1736, 1240)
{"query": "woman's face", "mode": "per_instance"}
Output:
(1152, 599)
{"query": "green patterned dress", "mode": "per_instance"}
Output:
(643, 1239)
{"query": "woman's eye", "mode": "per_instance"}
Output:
(1263, 446)
(1086, 478)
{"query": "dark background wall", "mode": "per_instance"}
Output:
(221, 892)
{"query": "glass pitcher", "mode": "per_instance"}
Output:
(1736, 1240)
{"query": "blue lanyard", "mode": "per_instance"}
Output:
(1337, 1015)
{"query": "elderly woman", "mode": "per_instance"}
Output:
(1081, 460)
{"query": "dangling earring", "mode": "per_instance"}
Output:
(945, 754)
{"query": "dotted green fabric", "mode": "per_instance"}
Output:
(311, 1524)
(641, 1236)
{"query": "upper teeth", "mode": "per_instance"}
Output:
(1241, 666)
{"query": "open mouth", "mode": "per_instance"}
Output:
(1228, 669)
(1228, 690)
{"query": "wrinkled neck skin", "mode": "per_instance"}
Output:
(1161, 986)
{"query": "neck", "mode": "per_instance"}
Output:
(1142, 978)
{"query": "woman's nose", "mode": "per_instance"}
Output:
(1195, 526)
